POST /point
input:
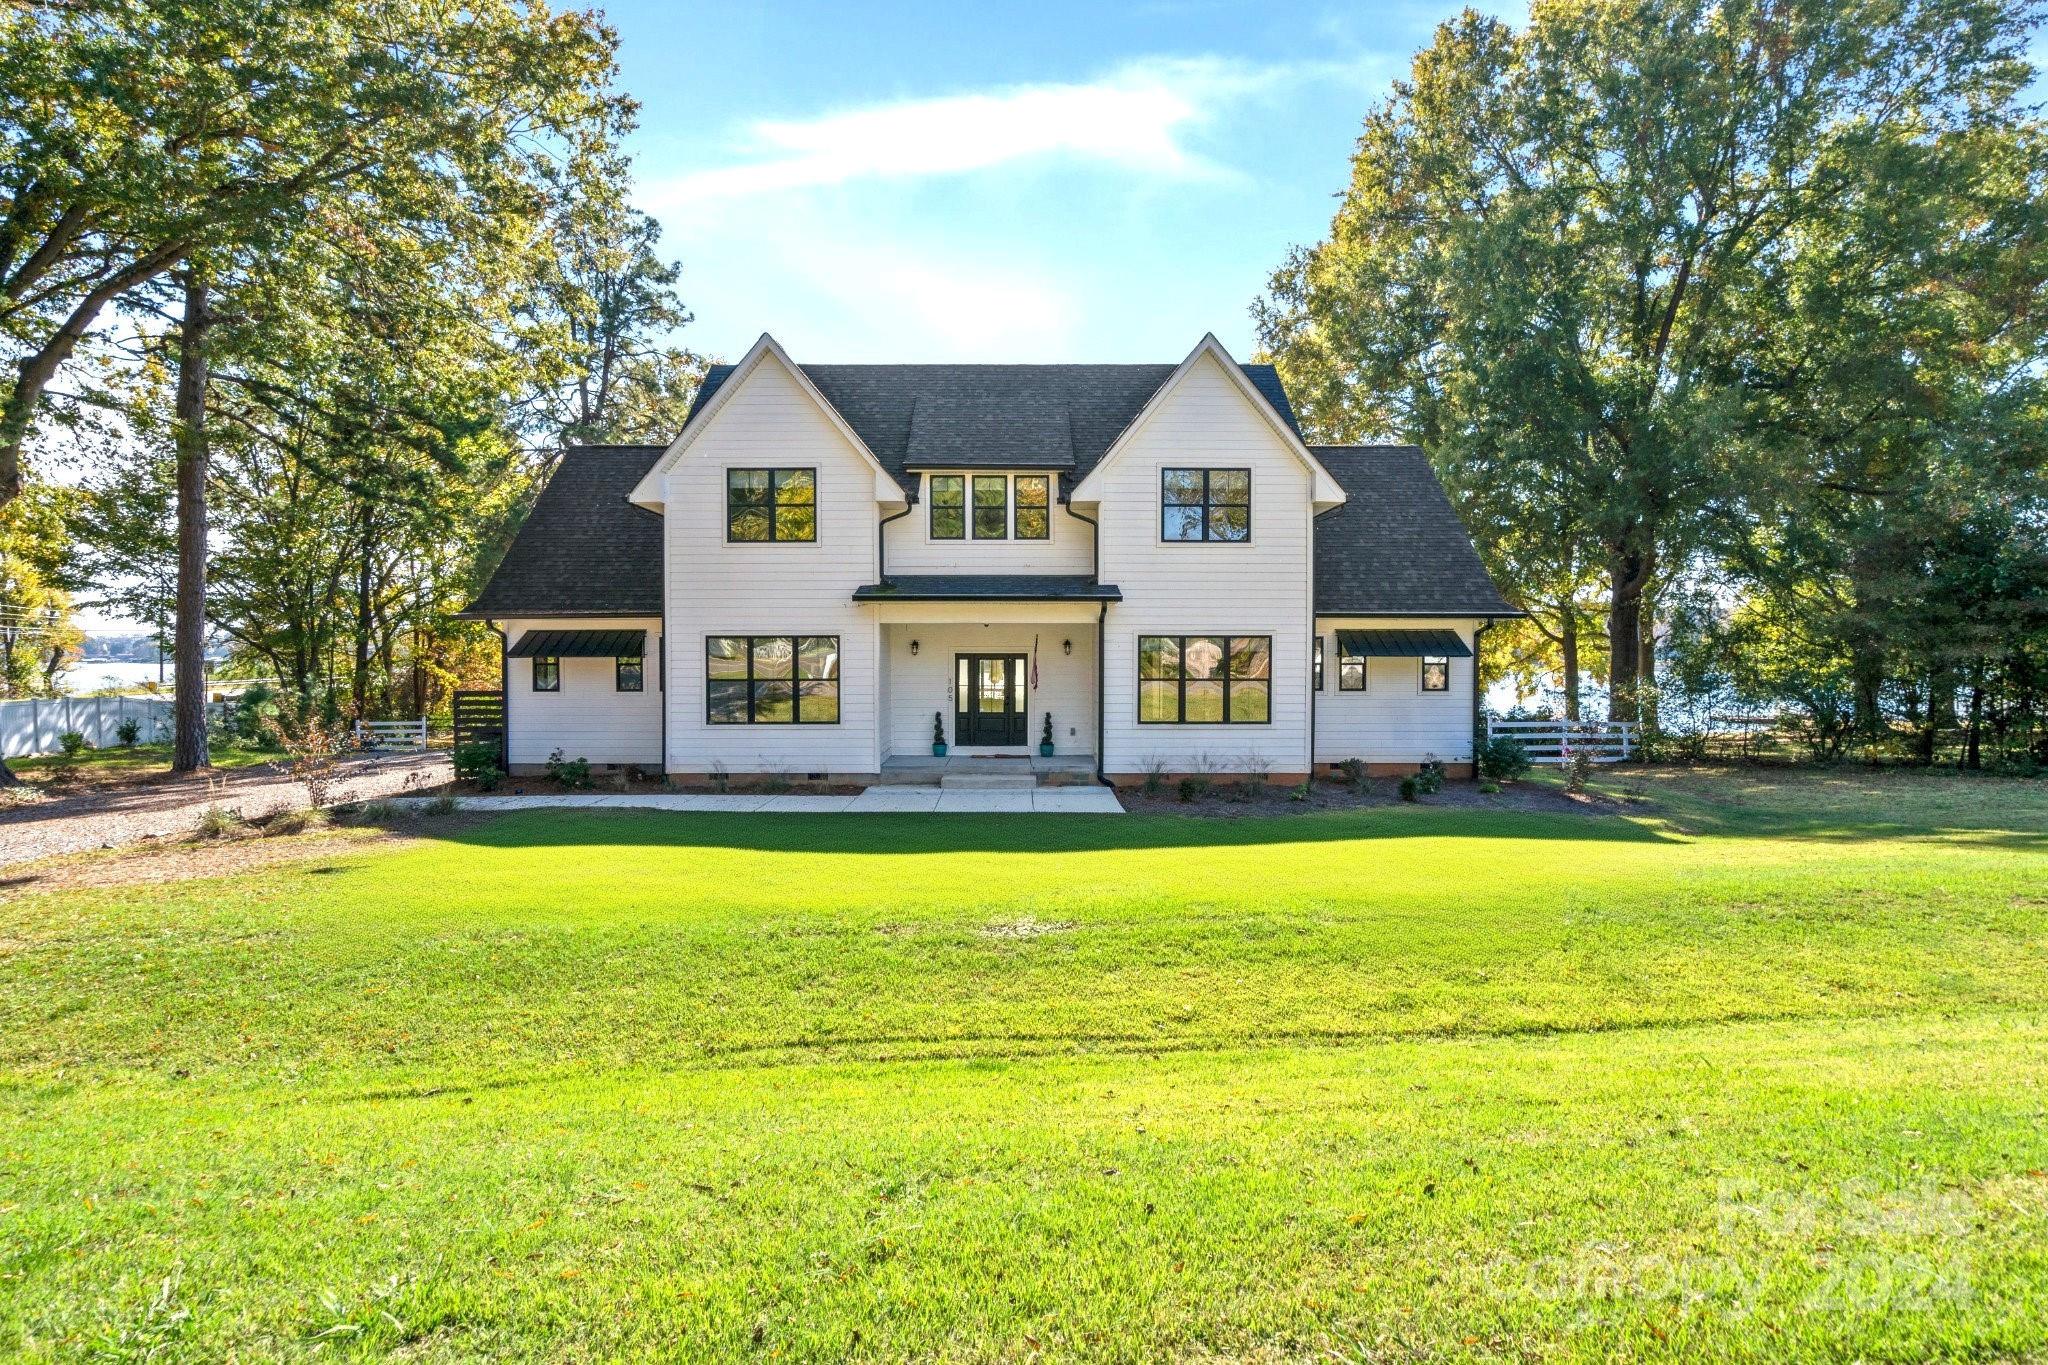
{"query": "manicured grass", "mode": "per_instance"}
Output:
(1755, 1073)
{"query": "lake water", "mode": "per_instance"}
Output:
(97, 675)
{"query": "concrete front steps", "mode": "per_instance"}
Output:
(991, 782)
(989, 773)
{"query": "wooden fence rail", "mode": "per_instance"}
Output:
(1554, 741)
(391, 734)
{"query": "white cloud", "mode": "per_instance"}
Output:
(1135, 118)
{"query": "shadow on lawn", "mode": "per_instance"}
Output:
(1000, 833)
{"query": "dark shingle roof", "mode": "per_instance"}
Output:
(989, 587)
(583, 550)
(1033, 416)
(1396, 548)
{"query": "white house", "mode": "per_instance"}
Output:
(830, 561)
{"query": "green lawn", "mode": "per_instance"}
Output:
(117, 764)
(1758, 1071)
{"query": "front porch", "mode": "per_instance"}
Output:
(928, 770)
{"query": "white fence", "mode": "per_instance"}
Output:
(30, 726)
(1553, 741)
(391, 734)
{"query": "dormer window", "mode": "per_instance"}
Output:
(990, 507)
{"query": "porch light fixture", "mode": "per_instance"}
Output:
(1066, 646)
(913, 649)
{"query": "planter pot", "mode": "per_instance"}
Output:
(1045, 751)
(938, 751)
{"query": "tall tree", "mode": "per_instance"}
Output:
(188, 696)
(1556, 239)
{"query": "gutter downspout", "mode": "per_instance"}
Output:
(1101, 632)
(504, 694)
(1315, 633)
(1477, 710)
(882, 576)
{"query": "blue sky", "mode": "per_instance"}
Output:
(1055, 181)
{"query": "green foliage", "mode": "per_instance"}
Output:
(477, 762)
(1193, 786)
(570, 772)
(72, 743)
(1354, 773)
(1410, 788)
(1155, 778)
(128, 732)
(1429, 778)
(217, 822)
(1502, 759)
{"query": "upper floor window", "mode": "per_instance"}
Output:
(1205, 504)
(771, 504)
(547, 674)
(1205, 679)
(1436, 673)
(771, 679)
(1002, 507)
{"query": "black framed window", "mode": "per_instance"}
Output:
(1436, 673)
(1032, 516)
(547, 674)
(771, 680)
(1205, 504)
(1205, 679)
(1351, 675)
(991, 506)
(629, 673)
(771, 505)
(949, 507)
(1319, 663)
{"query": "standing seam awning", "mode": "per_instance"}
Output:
(1401, 644)
(580, 644)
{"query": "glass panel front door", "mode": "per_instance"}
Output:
(991, 701)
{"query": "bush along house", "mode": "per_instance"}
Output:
(833, 570)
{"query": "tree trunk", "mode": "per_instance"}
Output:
(1628, 576)
(359, 679)
(1568, 642)
(1646, 662)
(188, 705)
(1973, 745)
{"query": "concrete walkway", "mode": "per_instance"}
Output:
(893, 799)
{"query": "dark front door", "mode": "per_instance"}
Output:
(990, 705)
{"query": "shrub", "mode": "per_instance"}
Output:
(1662, 746)
(253, 712)
(1354, 773)
(128, 732)
(1489, 788)
(570, 772)
(310, 741)
(720, 777)
(444, 804)
(1429, 779)
(1194, 786)
(296, 821)
(1155, 777)
(217, 822)
(1578, 769)
(72, 743)
(477, 762)
(1299, 791)
(1410, 788)
(1503, 759)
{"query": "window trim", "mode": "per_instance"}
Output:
(1207, 504)
(1423, 662)
(795, 678)
(554, 665)
(619, 673)
(1181, 698)
(771, 471)
(1364, 671)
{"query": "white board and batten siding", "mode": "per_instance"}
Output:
(772, 588)
(1256, 588)
(1394, 720)
(588, 717)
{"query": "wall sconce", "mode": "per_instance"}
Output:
(913, 649)
(1066, 646)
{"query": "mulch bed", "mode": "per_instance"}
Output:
(1228, 801)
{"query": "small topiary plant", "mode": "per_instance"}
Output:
(72, 743)
(128, 732)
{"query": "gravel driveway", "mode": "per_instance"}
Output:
(171, 807)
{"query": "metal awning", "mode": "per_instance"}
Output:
(995, 587)
(1401, 644)
(580, 644)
